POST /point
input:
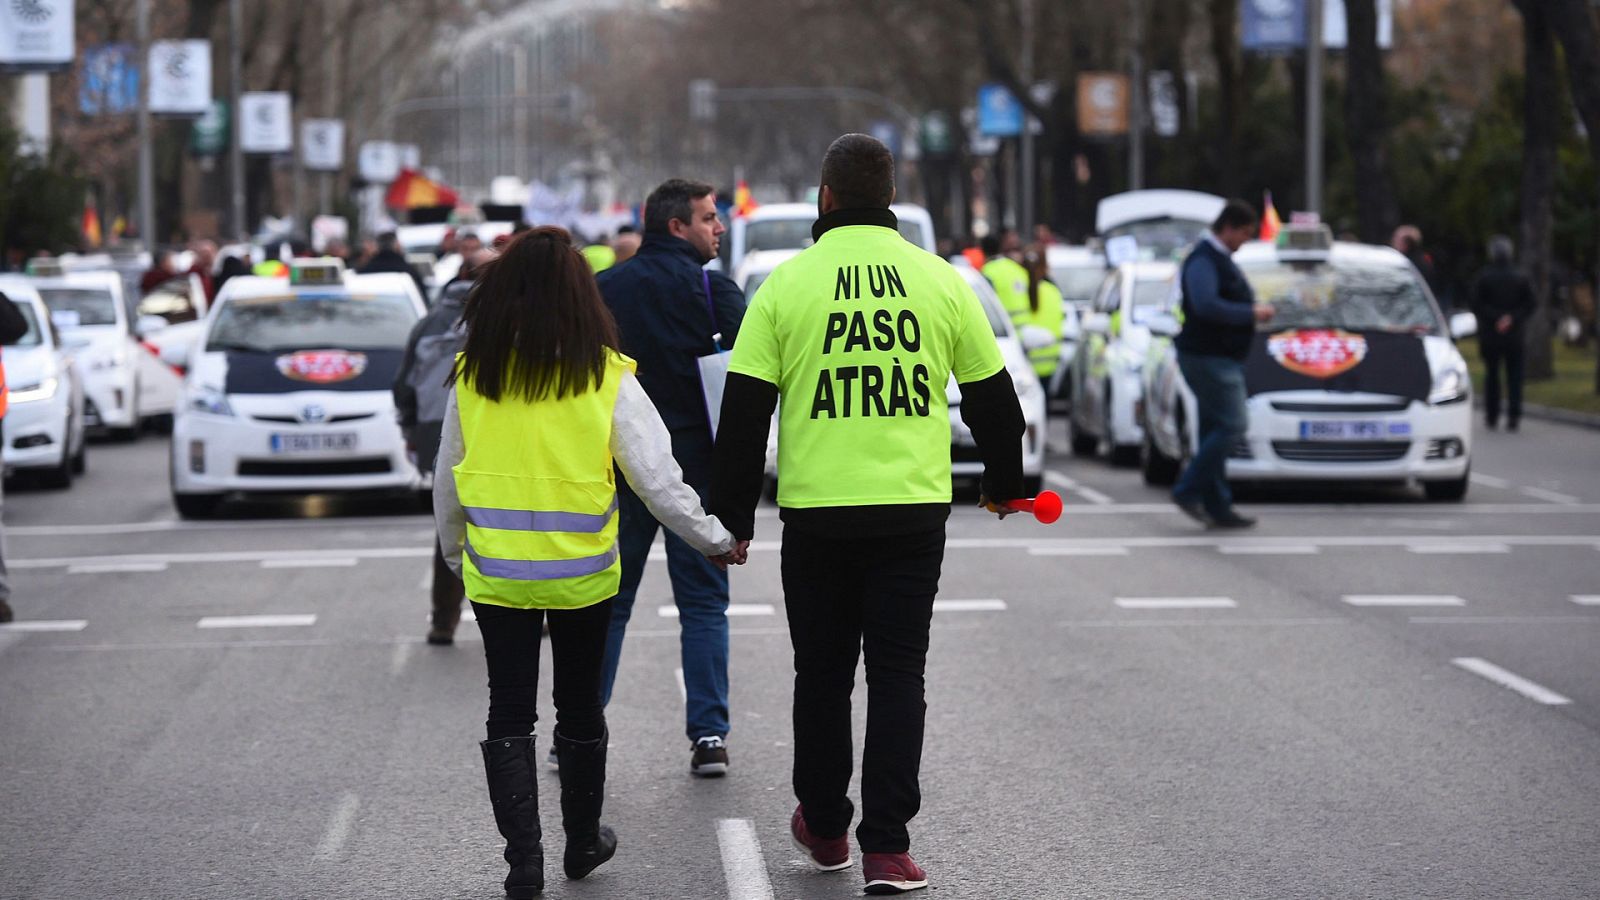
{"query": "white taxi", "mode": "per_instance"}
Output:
(124, 382)
(44, 430)
(1356, 378)
(787, 226)
(1108, 367)
(1014, 347)
(289, 388)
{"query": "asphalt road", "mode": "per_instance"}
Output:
(1122, 706)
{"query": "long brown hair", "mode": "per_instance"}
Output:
(536, 326)
(1033, 259)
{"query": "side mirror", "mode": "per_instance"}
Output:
(148, 325)
(1036, 338)
(1097, 323)
(1463, 325)
(1164, 325)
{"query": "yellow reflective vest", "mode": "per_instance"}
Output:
(1010, 281)
(539, 493)
(600, 257)
(1049, 316)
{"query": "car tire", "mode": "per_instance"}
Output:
(1159, 469)
(196, 506)
(1452, 491)
(1119, 454)
(58, 477)
(80, 460)
(1082, 444)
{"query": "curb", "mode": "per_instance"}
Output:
(1565, 416)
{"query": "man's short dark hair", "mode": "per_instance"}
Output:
(1236, 214)
(673, 199)
(859, 170)
(990, 245)
(388, 241)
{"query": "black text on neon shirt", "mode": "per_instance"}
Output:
(869, 390)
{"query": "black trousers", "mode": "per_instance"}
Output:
(511, 645)
(447, 592)
(1495, 354)
(844, 597)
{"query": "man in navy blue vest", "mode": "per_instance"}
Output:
(1219, 323)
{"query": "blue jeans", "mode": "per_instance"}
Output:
(1219, 393)
(700, 590)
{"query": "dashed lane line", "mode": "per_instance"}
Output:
(683, 686)
(1402, 600)
(1553, 496)
(117, 568)
(1078, 551)
(45, 625)
(1269, 549)
(734, 609)
(1505, 620)
(1586, 599)
(984, 605)
(279, 621)
(1457, 549)
(1533, 691)
(1175, 603)
(742, 863)
(340, 825)
(1489, 481)
(1053, 477)
(327, 562)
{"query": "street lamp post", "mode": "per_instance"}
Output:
(235, 89)
(1314, 106)
(147, 212)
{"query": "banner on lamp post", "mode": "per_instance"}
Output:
(266, 122)
(1103, 104)
(322, 144)
(36, 35)
(180, 78)
(378, 162)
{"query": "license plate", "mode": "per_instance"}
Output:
(1369, 430)
(314, 443)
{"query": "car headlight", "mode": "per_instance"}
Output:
(209, 400)
(1453, 385)
(39, 390)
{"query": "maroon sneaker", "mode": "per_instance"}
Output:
(826, 854)
(892, 873)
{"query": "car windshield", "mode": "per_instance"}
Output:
(75, 307)
(912, 231)
(1150, 299)
(777, 234)
(34, 336)
(1351, 296)
(312, 321)
(1078, 283)
(1161, 238)
(170, 301)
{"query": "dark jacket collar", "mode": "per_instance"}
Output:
(656, 242)
(839, 218)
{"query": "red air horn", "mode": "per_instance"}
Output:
(1046, 507)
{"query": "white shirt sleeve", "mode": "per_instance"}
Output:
(642, 447)
(448, 516)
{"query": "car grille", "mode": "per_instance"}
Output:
(1241, 450)
(269, 468)
(331, 420)
(1370, 406)
(1341, 451)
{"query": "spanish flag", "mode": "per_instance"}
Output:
(413, 189)
(91, 227)
(1271, 223)
(743, 203)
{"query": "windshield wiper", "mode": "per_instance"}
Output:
(236, 347)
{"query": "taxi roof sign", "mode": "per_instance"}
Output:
(1305, 241)
(324, 271)
(45, 267)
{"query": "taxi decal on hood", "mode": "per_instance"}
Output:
(1318, 353)
(322, 366)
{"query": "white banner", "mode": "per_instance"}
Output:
(36, 34)
(180, 77)
(266, 122)
(379, 162)
(322, 144)
(1164, 112)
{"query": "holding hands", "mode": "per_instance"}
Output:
(738, 556)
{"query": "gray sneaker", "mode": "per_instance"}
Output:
(710, 758)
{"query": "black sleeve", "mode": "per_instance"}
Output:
(405, 396)
(12, 325)
(990, 409)
(740, 457)
(729, 303)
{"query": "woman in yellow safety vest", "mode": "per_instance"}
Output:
(1046, 310)
(542, 405)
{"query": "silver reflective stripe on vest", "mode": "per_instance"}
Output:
(528, 520)
(541, 569)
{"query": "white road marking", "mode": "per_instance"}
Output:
(300, 524)
(1489, 481)
(1227, 622)
(683, 686)
(327, 562)
(1535, 692)
(46, 625)
(425, 583)
(1457, 549)
(401, 656)
(339, 828)
(734, 609)
(987, 605)
(1268, 549)
(230, 556)
(1051, 476)
(1552, 496)
(1078, 551)
(1403, 600)
(1176, 603)
(1504, 620)
(115, 569)
(742, 863)
(1586, 599)
(288, 621)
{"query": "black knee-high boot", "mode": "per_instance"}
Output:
(583, 791)
(514, 791)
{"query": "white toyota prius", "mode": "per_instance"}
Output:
(288, 389)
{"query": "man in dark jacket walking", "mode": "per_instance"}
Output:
(1219, 325)
(670, 311)
(1503, 302)
(390, 258)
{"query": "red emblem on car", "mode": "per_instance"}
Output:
(1318, 353)
(322, 366)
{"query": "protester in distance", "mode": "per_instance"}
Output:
(1046, 310)
(1503, 302)
(160, 272)
(420, 397)
(233, 266)
(205, 262)
(670, 310)
(390, 258)
(1219, 320)
(525, 498)
(1007, 275)
(863, 462)
(600, 255)
(1408, 240)
(626, 243)
(13, 327)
